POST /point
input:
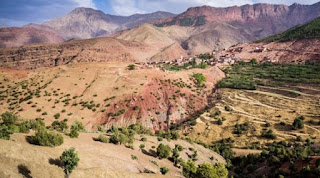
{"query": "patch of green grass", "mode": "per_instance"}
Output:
(249, 76)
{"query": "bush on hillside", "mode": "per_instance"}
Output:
(163, 151)
(297, 124)
(43, 137)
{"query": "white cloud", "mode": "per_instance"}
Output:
(125, 7)
(85, 3)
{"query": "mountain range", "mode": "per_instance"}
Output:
(81, 23)
(198, 30)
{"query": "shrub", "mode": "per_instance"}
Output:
(78, 126)
(134, 157)
(269, 134)
(131, 67)
(57, 116)
(239, 128)
(9, 118)
(219, 122)
(228, 108)
(73, 133)
(299, 139)
(164, 170)
(102, 139)
(60, 126)
(25, 127)
(143, 139)
(297, 124)
(44, 138)
(163, 151)
(119, 138)
(253, 61)
(69, 160)
(200, 78)
(168, 135)
(5, 132)
(141, 146)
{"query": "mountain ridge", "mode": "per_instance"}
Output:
(83, 23)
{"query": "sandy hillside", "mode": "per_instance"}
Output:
(96, 159)
(90, 92)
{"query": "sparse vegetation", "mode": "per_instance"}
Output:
(306, 31)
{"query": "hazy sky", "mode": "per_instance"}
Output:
(21, 12)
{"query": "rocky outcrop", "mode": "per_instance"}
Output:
(93, 50)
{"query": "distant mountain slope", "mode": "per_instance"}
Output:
(147, 33)
(297, 45)
(19, 36)
(276, 17)
(306, 31)
(219, 28)
(83, 23)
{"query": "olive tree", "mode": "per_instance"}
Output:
(69, 160)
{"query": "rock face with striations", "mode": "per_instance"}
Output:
(219, 28)
(276, 17)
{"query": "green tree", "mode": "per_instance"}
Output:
(123, 139)
(207, 170)
(69, 160)
(5, 132)
(163, 151)
(189, 169)
(175, 156)
(9, 118)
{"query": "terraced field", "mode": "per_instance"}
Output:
(274, 105)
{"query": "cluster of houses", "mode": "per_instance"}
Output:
(196, 60)
(220, 57)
